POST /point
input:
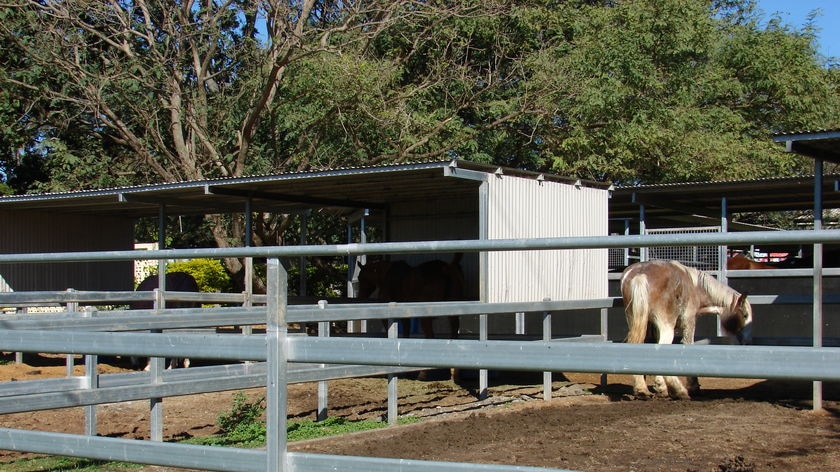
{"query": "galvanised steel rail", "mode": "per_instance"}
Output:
(423, 247)
(277, 348)
(765, 362)
(137, 320)
(47, 394)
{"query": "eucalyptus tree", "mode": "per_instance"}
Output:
(141, 91)
(184, 90)
(672, 90)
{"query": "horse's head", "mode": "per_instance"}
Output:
(738, 319)
(370, 277)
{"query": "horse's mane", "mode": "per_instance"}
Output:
(719, 293)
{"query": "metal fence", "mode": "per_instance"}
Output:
(703, 257)
(274, 353)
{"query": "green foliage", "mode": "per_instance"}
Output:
(62, 464)
(643, 91)
(309, 429)
(241, 424)
(182, 232)
(663, 91)
(209, 274)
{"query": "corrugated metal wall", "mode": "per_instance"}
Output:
(526, 208)
(515, 208)
(24, 232)
(435, 220)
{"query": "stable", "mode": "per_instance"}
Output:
(429, 201)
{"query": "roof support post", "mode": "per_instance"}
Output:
(722, 250)
(483, 290)
(249, 261)
(643, 251)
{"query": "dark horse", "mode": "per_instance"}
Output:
(396, 281)
(669, 295)
(175, 282)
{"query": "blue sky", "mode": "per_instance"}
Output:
(796, 12)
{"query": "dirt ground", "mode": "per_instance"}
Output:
(734, 425)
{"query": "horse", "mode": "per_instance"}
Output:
(397, 281)
(742, 262)
(176, 282)
(669, 295)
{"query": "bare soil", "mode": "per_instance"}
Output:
(733, 425)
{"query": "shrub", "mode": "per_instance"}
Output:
(242, 424)
(210, 274)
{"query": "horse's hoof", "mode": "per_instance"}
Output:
(680, 395)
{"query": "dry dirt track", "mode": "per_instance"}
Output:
(735, 426)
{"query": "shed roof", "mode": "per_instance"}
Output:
(669, 203)
(674, 202)
(346, 189)
(823, 144)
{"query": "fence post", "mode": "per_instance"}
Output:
(156, 367)
(483, 377)
(323, 387)
(393, 395)
(91, 380)
(276, 388)
(547, 376)
(70, 360)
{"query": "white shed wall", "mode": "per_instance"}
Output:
(526, 208)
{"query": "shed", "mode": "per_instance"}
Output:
(441, 200)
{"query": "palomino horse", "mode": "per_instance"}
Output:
(669, 295)
(396, 281)
(176, 282)
(742, 262)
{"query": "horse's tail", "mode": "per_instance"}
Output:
(637, 308)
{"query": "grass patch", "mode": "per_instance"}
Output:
(66, 464)
(246, 435)
(240, 426)
(308, 429)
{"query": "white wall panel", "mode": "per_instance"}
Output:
(526, 208)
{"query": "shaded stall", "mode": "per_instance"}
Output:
(440, 200)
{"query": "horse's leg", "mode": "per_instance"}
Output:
(454, 327)
(669, 385)
(640, 388)
(177, 362)
(406, 327)
(427, 328)
(692, 384)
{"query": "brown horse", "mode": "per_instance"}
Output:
(176, 282)
(669, 295)
(742, 262)
(397, 281)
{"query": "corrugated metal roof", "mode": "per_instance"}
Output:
(823, 144)
(674, 201)
(667, 203)
(346, 188)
